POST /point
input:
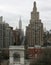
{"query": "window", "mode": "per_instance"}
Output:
(16, 57)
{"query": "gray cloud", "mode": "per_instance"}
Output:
(13, 9)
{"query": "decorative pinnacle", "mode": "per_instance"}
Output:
(35, 4)
(20, 23)
(20, 18)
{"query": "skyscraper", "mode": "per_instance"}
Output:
(34, 31)
(6, 36)
(20, 24)
(21, 32)
(18, 34)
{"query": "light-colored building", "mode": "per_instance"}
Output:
(16, 55)
(21, 32)
(34, 31)
(6, 38)
(20, 23)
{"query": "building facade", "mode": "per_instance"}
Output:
(34, 31)
(16, 55)
(16, 38)
(6, 38)
(18, 34)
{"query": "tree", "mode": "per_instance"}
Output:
(44, 59)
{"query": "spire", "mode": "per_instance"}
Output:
(35, 8)
(20, 23)
(34, 4)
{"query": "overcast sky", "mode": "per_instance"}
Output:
(11, 10)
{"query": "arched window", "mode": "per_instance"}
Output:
(16, 56)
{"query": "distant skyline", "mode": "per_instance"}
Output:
(11, 10)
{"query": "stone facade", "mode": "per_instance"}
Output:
(34, 31)
(16, 55)
(6, 38)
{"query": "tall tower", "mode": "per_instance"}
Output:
(34, 31)
(20, 24)
(21, 32)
